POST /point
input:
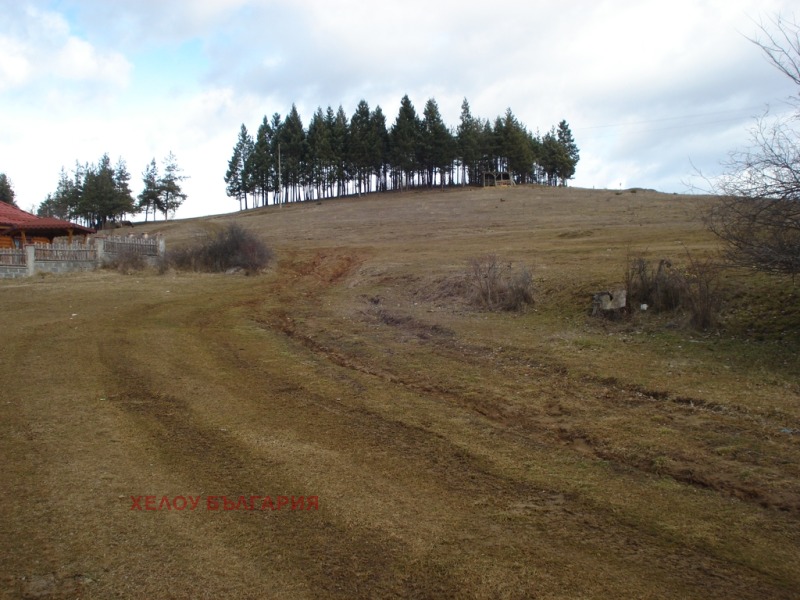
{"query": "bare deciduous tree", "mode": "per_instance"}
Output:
(780, 41)
(758, 215)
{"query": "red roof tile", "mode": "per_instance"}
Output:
(16, 219)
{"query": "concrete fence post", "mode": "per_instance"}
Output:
(100, 250)
(30, 259)
(162, 246)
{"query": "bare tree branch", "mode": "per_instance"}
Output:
(758, 213)
(780, 41)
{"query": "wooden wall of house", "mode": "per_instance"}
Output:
(7, 241)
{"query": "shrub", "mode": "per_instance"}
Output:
(703, 297)
(519, 291)
(485, 275)
(663, 287)
(660, 287)
(495, 285)
(127, 261)
(231, 247)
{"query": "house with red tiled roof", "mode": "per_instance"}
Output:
(18, 228)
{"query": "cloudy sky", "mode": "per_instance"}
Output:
(651, 88)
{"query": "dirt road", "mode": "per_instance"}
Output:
(438, 454)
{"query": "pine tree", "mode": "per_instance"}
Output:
(249, 177)
(171, 194)
(516, 148)
(340, 139)
(293, 151)
(489, 147)
(98, 198)
(553, 157)
(323, 150)
(245, 146)
(535, 142)
(62, 202)
(6, 190)
(122, 203)
(358, 150)
(69, 190)
(150, 196)
(405, 140)
(262, 161)
(571, 154)
(76, 193)
(437, 148)
(233, 176)
(276, 125)
(379, 147)
(47, 208)
(240, 174)
(468, 138)
(319, 152)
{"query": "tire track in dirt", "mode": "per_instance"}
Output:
(455, 468)
(705, 470)
(605, 392)
(464, 470)
(334, 560)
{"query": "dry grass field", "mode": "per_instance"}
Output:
(454, 452)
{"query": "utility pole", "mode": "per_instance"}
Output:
(280, 197)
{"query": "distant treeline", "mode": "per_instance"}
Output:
(337, 156)
(99, 193)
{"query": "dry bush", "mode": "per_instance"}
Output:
(702, 294)
(127, 261)
(183, 259)
(485, 275)
(232, 247)
(663, 287)
(494, 285)
(519, 290)
(660, 287)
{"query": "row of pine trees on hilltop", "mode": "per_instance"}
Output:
(337, 156)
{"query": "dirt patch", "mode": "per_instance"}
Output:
(576, 234)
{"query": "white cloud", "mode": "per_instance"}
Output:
(38, 50)
(77, 60)
(675, 82)
(15, 68)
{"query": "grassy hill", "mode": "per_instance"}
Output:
(454, 452)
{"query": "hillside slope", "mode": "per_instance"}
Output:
(452, 452)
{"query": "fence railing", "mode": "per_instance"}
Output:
(62, 257)
(143, 246)
(13, 257)
(63, 251)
